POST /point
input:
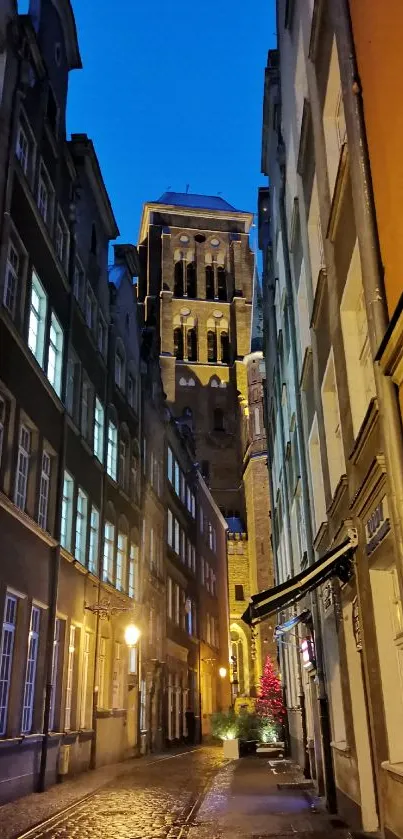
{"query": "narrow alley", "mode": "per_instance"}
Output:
(196, 794)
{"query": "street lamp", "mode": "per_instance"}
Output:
(132, 635)
(222, 672)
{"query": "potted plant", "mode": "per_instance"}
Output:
(224, 726)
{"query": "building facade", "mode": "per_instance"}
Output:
(197, 287)
(330, 441)
(83, 457)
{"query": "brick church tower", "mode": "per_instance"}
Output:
(197, 288)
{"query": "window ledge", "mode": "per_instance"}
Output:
(341, 746)
(393, 768)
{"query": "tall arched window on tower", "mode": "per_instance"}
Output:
(222, 283)
(178, 343)
(225, 348)
(211, 346)
(178, 278)
(209, 282)
(191, 280)
(192, 344)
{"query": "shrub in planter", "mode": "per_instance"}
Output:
(224, 725)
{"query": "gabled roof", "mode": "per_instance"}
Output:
(199, 202)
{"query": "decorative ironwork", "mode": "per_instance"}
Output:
(107, 608)
(356, 624)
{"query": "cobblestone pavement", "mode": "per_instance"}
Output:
(151, 803)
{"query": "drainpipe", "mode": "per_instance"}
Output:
(365, 214)
(55, 568)
(324, 719)
(301, 694)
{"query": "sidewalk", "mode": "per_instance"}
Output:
(255, 797)
(24, 813)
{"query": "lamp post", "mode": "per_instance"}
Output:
(132, 637)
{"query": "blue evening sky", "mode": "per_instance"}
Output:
(171, 94)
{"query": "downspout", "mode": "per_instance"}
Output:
(95, 690)
(378, 319)
(324, 719)
(301, 694)
(55, 570)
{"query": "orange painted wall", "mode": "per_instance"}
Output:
(378, 30)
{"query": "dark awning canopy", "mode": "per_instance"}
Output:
(337, 562)
(287, 626)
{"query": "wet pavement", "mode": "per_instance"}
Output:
(196, 795)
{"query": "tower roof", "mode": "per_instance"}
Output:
(199, 202)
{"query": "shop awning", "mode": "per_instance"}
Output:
(287, 626)
(335, 563)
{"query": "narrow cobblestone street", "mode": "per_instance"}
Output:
(196, 795)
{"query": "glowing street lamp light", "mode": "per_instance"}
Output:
(222, 672)
(132, 635)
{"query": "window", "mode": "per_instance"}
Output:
(11, 281)
(109, 551)
(99, 419)
(6, 656)
(37, 319)
(170, 529)
(62, 241)
(133, 476)
(102, 335)
(192, 345)
(73, 384)
(44, 491)
(112, 453)
(119, 369)
(81, 526)
(176, 536)
(84, 715)
(117, 700)
(177, 477)
(102, 686)
(211, 346)
(169, 598)
(145, 455)
(67, 511)
(24, 449)
(55, 354)
(131, 390)
(2, 424)
(225, 354)
(331, 417)
(316, 476)
(121, 562)
(133, 571)
(86, 409)
(79, 283)
(30, 674)
(178, 278)
(94, 540)
(90, 308)
(123, 448)
(55, 672)
(44, 196)
(70, 679)
(222, 283)
(209, 282)
(256, 417)
(239, 593)
(178, 343)
(170, 464)
(218, 419)
(333, 117)
(191, 280)
(354, 324)
(22, 149)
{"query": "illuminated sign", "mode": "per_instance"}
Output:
(377, 526)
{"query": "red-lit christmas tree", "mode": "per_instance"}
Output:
(269, 703)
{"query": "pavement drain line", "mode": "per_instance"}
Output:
(195, 807)
(53, 821)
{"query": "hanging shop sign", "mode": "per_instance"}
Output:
(356, 624)
(377, 526)
(327, 596)
(308, 653)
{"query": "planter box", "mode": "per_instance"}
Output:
(231, 749)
